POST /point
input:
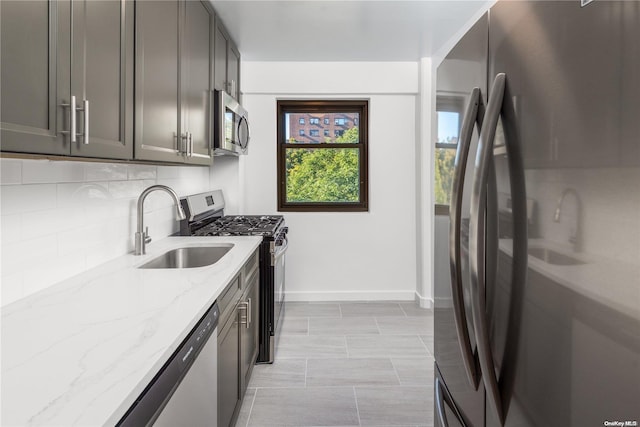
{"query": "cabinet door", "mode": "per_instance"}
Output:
(102, 75)
(196, 80)
(233, 71)
(157, 84)
(35, 76)
(229, 397)
(249, 332)
(220, 58)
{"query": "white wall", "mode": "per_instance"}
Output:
(342, 256)
(61, 218)
(424, 193)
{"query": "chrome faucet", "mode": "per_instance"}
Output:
(574, 237)
(142, 238)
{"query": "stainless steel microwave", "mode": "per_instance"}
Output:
(231, 126)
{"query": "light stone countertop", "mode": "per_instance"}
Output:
(607, 281)
(81, 352)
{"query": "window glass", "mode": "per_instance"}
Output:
(328, 172)
(448, 117)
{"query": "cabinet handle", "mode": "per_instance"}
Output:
(190, 144)
(246, 319)
(184, 143)
(72, 126)
(233, 88)
(249, 312)
(85, 110)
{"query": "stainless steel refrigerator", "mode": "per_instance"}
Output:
(537, 319)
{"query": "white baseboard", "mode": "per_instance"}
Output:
(423, 302)
(350, 296)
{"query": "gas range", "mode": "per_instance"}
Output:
(205, 217)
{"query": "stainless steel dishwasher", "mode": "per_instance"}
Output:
(185, 391)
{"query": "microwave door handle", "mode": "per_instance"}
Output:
(243, 143)
(455, 216)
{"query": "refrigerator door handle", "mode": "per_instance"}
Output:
(443, 397)
(477, 242)
(473, 115)
(498, 104)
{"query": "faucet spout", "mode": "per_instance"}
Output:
(142, 237)
(574, 237)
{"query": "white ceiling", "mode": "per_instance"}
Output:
(332, 30)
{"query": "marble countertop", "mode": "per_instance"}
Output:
(609, 282)
(81, 352)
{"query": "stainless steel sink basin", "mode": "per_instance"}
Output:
(190, 257)
(552, 257)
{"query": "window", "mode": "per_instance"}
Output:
(355, 121)
(314, 132)
(314, 121)
(338, 132)
(301, 121)
(331, 175)
(449, 111)
(340, 121)
(301, 132)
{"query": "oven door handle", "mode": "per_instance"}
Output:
(279, 253)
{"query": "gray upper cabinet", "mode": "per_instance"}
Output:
(173, 81)
(197, 81)
(40, 80)
(35, 70)
(102, 77)
(157, 84)
(227, 62)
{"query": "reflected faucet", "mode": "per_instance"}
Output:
(142, 238)
(574, 237)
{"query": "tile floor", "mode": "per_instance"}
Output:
(346, 364)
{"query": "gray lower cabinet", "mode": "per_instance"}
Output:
(54, 52)
(227, 62)
(229, 398)
(173, 81)
(249, 328)
(237, 340)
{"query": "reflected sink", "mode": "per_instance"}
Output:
(190, 257)
(552, 257)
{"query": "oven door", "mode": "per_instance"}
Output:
(279, 249)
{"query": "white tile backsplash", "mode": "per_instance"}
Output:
(105, 172)
(61, 218)
(46, 171)
(27, 198)
(11, 171)
(142, 172)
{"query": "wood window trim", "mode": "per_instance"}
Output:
(323, 106)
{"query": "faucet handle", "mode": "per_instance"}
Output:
(146, 236)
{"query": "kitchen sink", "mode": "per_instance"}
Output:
(552, 257)
(189, 257)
